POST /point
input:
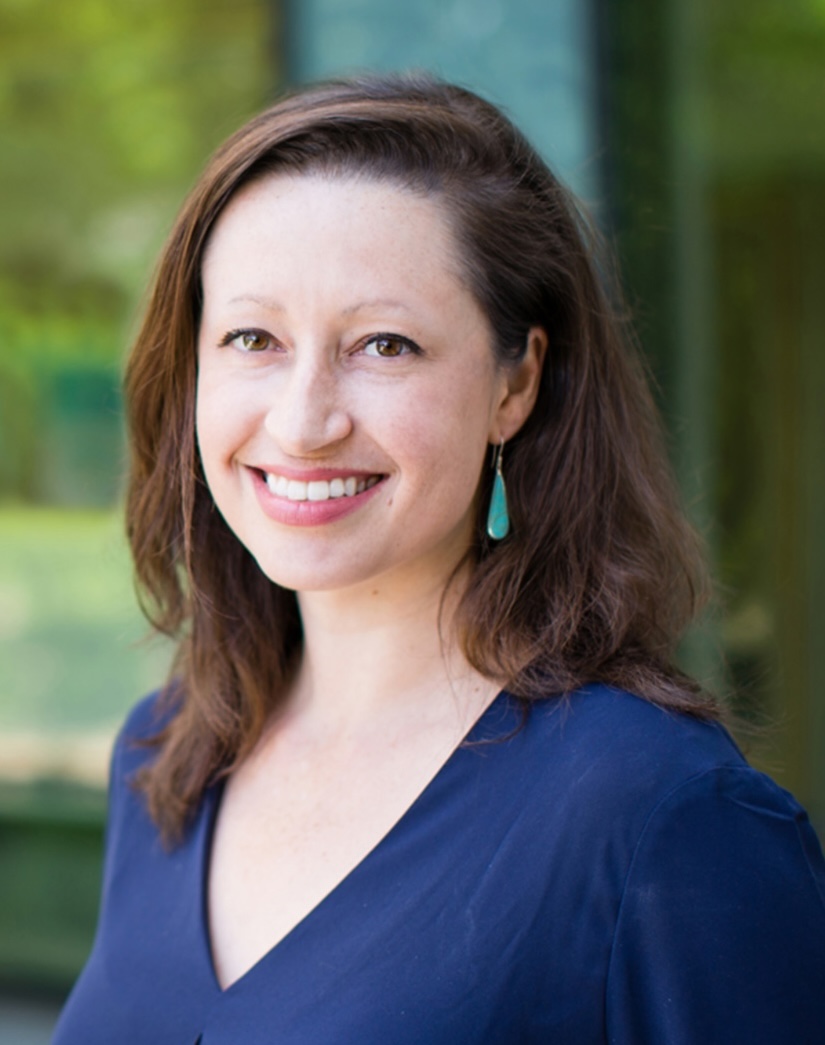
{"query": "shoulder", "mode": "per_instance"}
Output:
(136, 745)
(607, 740)
(610, 765)
(623, 722)
(150, 715)
(733, 817)
(143, 726)
(707, 867)
(726, 874)
(606, 764)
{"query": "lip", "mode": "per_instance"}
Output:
(310, 513)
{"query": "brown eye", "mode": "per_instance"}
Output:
(246, 340)
(252, 341)
(389, 346)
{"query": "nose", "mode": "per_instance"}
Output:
(308, 413)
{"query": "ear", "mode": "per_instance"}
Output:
(521, 387)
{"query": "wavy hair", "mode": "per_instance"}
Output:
(601, 574)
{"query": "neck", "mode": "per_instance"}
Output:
(385, 653)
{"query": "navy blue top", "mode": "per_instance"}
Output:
(609, 873)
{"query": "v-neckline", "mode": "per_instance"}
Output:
(212, 802)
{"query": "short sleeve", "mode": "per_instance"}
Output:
(720, 936)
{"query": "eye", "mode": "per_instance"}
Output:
(388, 346)
(247, 340)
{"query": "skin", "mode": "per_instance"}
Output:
(300, 277)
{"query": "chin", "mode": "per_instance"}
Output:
(310, 577)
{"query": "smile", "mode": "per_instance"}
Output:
(318, 489)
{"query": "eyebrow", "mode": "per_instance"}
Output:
(275, 306)
(387, 303)
(268, 303)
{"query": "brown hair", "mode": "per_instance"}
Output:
(601, 573)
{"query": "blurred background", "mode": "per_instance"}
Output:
(695, 132)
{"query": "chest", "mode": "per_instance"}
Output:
(290, 830)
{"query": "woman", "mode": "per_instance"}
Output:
(425, 771)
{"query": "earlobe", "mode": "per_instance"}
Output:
(522, 388)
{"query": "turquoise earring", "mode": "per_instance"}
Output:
(498, 518)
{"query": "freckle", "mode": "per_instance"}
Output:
(375, 592)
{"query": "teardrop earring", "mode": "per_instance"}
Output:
(498, 517)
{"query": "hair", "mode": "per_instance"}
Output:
(601, 573)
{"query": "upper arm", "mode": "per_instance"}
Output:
(720, 935)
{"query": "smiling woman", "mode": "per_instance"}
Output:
(410, 782)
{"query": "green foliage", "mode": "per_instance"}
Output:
(764, 72)
(107, 112)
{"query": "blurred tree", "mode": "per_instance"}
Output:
(766, 92)
(107, 111)
(716, 117)
(765, 83)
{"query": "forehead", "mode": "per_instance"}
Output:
(332, 232)
(347, 194)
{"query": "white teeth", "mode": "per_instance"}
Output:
(276, 483)
(318, 489)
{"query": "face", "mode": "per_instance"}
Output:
(347, 389)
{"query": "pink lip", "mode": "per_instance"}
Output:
(310, 513)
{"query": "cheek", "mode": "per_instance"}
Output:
(208, 424)
(441, 444)
(222, 417)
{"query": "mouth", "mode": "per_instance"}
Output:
(318, 489)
